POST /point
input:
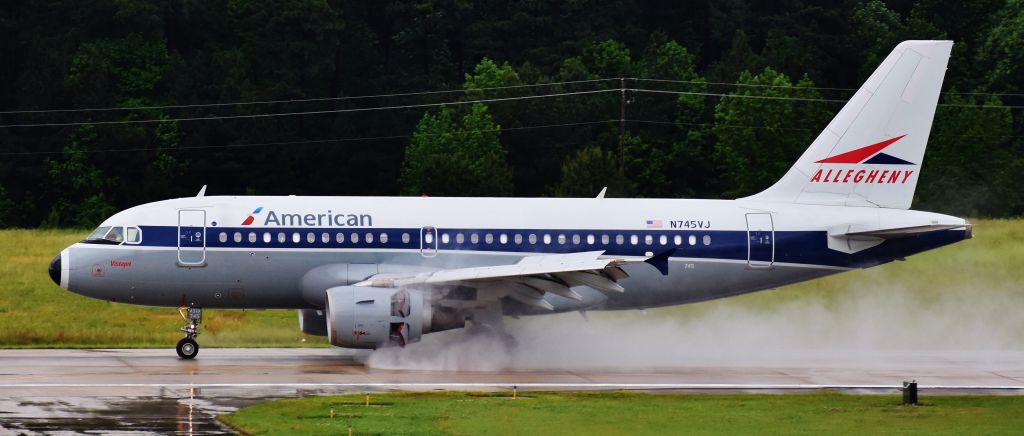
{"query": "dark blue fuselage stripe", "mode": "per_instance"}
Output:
(800, 247)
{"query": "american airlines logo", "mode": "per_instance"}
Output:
(249, 219)
(870, 155)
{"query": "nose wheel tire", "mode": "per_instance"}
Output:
(187, 348)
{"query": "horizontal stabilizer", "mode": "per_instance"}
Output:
(901, 232)
(851, 238)
(891, 233)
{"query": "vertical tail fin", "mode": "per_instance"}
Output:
(871, 153)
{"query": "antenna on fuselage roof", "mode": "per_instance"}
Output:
(603, 191)
(202, 192)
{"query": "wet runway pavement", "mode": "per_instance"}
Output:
(152, 392)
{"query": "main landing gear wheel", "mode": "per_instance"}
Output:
(187, 348)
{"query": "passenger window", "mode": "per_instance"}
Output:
(648, 239)
(369, 238)
(460, 238)
(134, 235)
(405, 238)
(692, 240)
(678, 240)
(310, 238)
(576, 239)
(222, 237)
(518, 239)
(707, 239)
(474, 238)
(547, 239)
(428, 238)
(445, 238)
(533, 238)
(252, 237)
(663, 240)
(325, 237)
(634, 239)
(605, 239)
(354, 237)
(488, 239)
(561, 239)
(384, 238)
(296, 238)
(281, 237)
(266, 237)
(238, 237)
(339, 238)
(619, 239)
(503, 238)
(590, 239)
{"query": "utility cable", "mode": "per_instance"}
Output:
(303, 142)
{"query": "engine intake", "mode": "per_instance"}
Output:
(361, 317)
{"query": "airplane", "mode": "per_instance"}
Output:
(371, 272)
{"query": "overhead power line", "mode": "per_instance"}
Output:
(406, 136)
(303, 100)
(737, 84)
(451, 91)
(465, 102)
(316, 112)
(819, 88)
(717, 94)
(302, 142)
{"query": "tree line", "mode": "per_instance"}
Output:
(113, 103)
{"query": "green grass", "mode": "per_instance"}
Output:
(36, 313)
(463, 413)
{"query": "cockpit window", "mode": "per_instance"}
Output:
(107, 235)
(134, 235)
(116, 234)
(98, 234)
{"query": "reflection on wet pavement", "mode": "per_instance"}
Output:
(190, 411)
(191, 414)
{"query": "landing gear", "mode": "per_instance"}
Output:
(188, 348)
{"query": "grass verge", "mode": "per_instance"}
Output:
(465, 413)
(36, 313)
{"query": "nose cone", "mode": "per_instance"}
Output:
(55, 270)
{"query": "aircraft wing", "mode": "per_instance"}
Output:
(529, 279)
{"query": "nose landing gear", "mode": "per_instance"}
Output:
(188, 348)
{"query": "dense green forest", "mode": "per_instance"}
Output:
(105, 104)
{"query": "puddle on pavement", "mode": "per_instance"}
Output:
(160, 415)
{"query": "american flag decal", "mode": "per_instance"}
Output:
(653, 224)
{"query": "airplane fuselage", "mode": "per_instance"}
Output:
(283, 252)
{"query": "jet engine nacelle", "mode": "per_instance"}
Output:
(362, 317)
